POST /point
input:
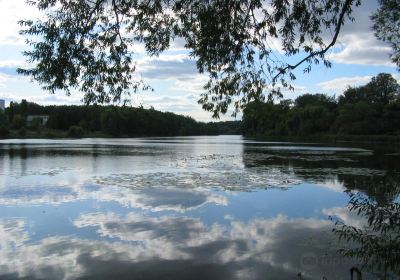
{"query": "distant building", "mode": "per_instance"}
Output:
(2, 105)
(43, 119)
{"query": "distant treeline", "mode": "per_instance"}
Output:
(78, 121)
(372, 109)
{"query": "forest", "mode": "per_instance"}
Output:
(95, 120)
(371, 109)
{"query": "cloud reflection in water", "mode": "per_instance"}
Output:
(155, 247)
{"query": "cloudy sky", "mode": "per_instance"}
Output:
(357, 57)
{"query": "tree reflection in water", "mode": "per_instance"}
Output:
(372, 180)
(376, 244)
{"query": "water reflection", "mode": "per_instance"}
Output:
(376, 173)
(374, 239)
(179, 246)
(183, 208)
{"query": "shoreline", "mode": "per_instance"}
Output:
(329, 138)
(60, 134)
(332, 138)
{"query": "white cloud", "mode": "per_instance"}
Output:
(334, 185)
(12, 233)
(259, 241)
(167, 67)
(142, 244)
(194, 86)
(3, 81)
(362, 49)
(357, 44)
(43, 98)
(181, 103)
(178, 45)
(134, 227)
(8, 71)
(12, 63)
(338, 85)
(11, 12)
(293, 94)
(347, 217)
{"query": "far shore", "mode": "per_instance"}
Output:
(46, 133)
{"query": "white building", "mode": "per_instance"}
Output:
(43, 119)
(2, 104)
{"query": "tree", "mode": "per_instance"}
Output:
(315, 99)
(18, 121)
(383, 88)
(86, 44)
(23, 107)
(369, 109)
(312, 119)
(386, 25)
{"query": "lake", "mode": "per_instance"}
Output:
(221, 207)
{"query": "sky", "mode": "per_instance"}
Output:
(356, 58)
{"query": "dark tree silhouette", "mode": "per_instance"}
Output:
(78, 121)
(87, 44)
(387, 26)
(373, 108)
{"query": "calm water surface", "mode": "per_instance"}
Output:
(182, 208)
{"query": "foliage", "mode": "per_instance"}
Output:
(386, 25)
(377, 245)
(22, 132)
(3, 118)
(392, 112)
(87, 45)
(75, 132)
(3, 130)
(371, 109)
(265, 118)
(315, 100)
(310, 120)
(117, 121)
(3, 124)
(382, 89)
(18, 121)
(309, 114)
(36, 123)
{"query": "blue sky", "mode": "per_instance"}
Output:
(357, 57)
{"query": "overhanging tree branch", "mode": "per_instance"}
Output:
(228, 40)
(320, 53)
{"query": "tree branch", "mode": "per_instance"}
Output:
(321, 52)
(118, 23)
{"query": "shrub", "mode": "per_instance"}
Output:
(18, 122)
(3, 131)
(22, 131)
(75, 131)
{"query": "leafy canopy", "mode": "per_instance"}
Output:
(382, 89)
(387, 26)
(88, 44)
